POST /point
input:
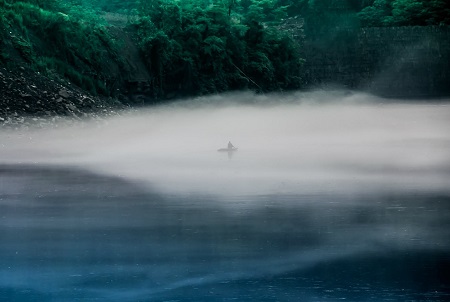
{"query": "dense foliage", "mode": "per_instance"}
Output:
(193, 46)
(189, 47)
(202, 47)
(55, 38)
(405, 12)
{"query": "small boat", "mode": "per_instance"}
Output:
(227, 149)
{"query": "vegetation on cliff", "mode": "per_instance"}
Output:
(54, 38)
(200, 48)
(188, 47)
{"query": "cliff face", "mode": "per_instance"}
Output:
(388, 61)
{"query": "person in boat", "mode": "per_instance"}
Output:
(230, 145)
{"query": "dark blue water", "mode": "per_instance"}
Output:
(72, 235)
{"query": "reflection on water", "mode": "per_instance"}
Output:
(69, 235)
(320, 203)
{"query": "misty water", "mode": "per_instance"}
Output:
(330, 197)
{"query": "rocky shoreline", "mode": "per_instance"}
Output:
(29, 98)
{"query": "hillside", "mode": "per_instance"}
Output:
(31, 98)
(134, 59)
(54, 66)
(71, 58)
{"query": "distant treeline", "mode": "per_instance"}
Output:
(369, 12)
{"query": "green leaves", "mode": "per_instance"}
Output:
(406, 13)
(55, 37)
(208, 48)
(267, 11)
(214, 46)
(189, 47)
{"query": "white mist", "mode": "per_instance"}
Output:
(298, 143)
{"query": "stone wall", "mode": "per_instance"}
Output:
(388, 61)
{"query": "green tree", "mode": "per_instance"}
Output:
(266, 11)
(197, 47)
(420, 12)
(405, 13)
(377, 14)
(408, 12)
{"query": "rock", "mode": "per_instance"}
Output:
(59, 100)
(25, 95)
(71, 107)
(64, 93)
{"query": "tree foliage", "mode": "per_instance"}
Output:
(76, 46)
(198, 47)
(195, 46)
(189, 47)
(405, 12)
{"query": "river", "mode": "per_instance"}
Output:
(324, 200)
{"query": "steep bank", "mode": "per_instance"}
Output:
(29, 97)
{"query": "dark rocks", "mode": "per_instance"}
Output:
(25, 95)
(28, 98)
(64, 93)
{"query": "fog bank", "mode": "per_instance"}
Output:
(297, 143)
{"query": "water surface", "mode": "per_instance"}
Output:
(329, 202)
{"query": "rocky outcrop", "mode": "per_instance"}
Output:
(28, 97)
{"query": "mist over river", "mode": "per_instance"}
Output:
(330, 196)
